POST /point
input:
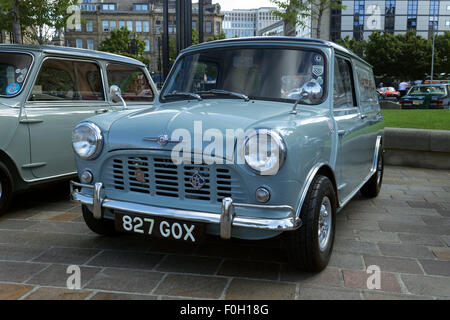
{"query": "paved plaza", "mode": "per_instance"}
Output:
(405, 231)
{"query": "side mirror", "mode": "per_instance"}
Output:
(312, 91)
(115, 93)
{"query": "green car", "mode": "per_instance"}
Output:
(44, 93)
(250, 138)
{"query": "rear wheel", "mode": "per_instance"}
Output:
(6, 189)
(310, 247)
(103, 227)
(372, 187)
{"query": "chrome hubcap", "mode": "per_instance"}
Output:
(324, 230)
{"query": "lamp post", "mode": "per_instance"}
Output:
(132, 46)
(432, 51)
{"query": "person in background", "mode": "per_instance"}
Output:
(402, 88)
(381, 85)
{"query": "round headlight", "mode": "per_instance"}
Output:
(264, 152)
(87, 140)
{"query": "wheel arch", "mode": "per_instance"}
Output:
(323, 169)
(8, 166)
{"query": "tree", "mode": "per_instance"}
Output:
(294, 12)
(36, 20)
(120, 42)
(358, 47)
(442, 54)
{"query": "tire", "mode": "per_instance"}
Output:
(305, 249)
(372, 188)
(6, 189)
(103, 227)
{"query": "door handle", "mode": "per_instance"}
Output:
(100, 111)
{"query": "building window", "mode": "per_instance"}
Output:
(78, 27)
(121, 24)
(146, 26)
(208, 27)
(89, 27)
(434, 17)
(90, 44)
(389, 18)
(194, 25)
(447, 23)
(130, 25)
(112, 25)
(147, 45)
(158, 26)
(138, 26)
(140, 7)
(87, 6)
(217, 28)
(105, 26)
(79, 43)
(358, 20)
(411, 23)
(109, 7)
(335, 25)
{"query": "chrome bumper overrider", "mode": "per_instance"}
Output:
(227, 219)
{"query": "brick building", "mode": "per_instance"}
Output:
(145, 17)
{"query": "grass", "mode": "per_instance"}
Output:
(417, 119)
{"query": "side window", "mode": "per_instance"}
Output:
(67, 80)
(343, 84)
(366, 82)
(132, 81)
(90, 85)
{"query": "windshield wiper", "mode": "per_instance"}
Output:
(183, 94)
(225, 92)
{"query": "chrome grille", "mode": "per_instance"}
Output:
(159, 176)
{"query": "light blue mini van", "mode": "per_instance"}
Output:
(250, 138)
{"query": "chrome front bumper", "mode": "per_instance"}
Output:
(227, 219)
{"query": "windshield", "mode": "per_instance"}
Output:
(428, 89)
(256, 73)
(14, 68)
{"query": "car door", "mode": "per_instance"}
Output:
(349, 159)
(370, 114)
(138, 89)
(65, 92)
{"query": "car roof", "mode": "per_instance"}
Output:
(431, 85)
(69, 51)
(265, 40)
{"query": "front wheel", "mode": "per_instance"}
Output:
(310, 247)
(6, 189)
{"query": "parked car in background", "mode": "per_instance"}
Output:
(279, 164)
(427, 96)
(44, 93)
(389, 93)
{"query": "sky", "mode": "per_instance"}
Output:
(243, 4)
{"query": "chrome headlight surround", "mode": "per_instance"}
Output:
(87, 140)
(280, 158)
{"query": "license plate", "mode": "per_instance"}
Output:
(159, 227)
(417, 102)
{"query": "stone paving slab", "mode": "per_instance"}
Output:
(405, 232)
